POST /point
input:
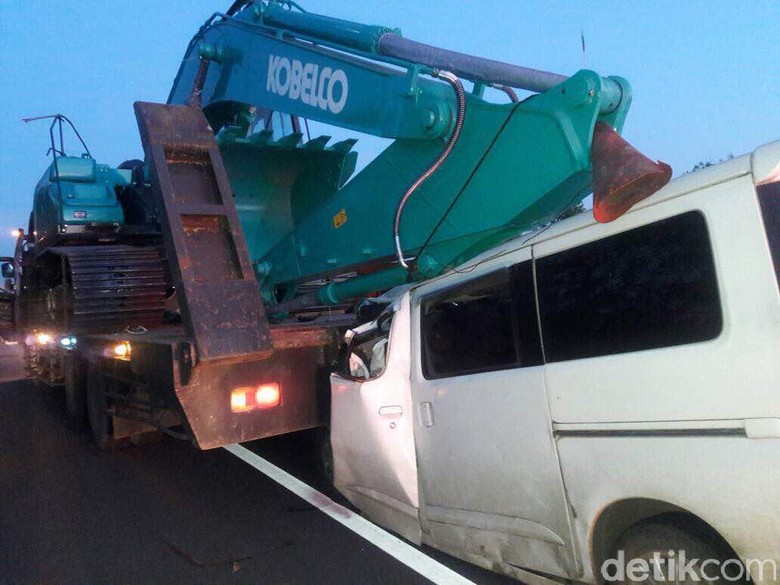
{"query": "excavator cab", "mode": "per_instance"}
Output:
(76, 198)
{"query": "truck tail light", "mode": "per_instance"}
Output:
(122, 350)
(249, 398)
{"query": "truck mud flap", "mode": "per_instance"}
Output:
(205, 400)
(201, 393)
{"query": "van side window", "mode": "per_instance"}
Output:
(526, 320)
(469, 328)
(769, 198)
(650, 287)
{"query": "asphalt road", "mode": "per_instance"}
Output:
(166, 512)
(11, 365)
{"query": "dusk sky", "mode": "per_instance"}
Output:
(705, 74)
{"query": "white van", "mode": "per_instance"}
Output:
(590, 402)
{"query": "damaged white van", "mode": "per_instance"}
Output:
(589, 403)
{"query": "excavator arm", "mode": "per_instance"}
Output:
(250, 64)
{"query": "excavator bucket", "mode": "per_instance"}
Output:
(622, 176)
(279, 182)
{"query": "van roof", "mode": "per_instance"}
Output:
(764, 163)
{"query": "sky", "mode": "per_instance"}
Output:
(705, 74)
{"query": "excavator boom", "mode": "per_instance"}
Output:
(500, 168)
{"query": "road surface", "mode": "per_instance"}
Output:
(10, 362)
(167, 513)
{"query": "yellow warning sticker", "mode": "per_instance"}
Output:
(340, 219)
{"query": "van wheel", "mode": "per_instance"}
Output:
(99, 420)
(666, 540)
(147, 438)
(76, 392)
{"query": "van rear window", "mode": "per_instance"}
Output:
(769, 200)
(650, 287)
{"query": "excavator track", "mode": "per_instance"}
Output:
(110, 288)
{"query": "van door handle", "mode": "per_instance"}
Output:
(426, 414)
(391, 411)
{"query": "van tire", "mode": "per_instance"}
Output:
(661, 535)
(146, 438)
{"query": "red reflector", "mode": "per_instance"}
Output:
(249, 398)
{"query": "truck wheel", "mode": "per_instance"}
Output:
(76, 392)
(324, 452)
(664, 541)
(99, 420)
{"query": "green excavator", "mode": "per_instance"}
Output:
(461, 175)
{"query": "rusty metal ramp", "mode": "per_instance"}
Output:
(209, 262)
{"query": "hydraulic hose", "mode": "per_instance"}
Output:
(508, 91)
(195, 99)
(460, 96)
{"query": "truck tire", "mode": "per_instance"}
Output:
(666, 538)
(324, 451)
(76, 392)
(99, 420)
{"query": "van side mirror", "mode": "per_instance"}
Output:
(7, 270)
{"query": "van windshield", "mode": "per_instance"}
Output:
(367, 351)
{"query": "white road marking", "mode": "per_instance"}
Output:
(392, 545)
